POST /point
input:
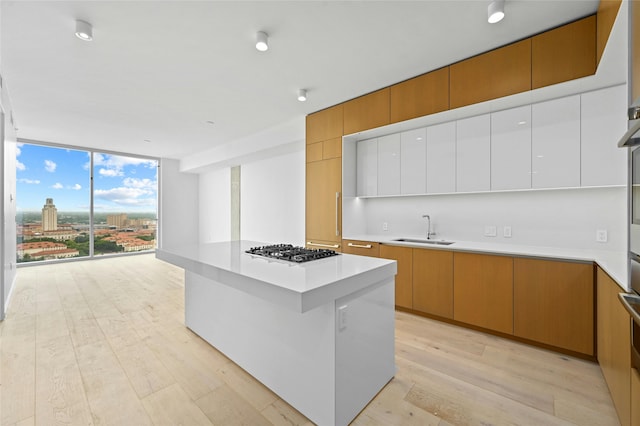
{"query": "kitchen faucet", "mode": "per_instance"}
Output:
(429, 233)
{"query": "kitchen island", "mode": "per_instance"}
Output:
(320, 334)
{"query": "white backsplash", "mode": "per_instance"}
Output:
(555, 218)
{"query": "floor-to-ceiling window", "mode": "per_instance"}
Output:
(75, 203)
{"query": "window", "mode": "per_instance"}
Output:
(59, 216)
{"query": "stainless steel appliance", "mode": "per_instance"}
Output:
(291, 253)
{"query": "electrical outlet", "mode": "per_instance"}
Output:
(506, 232)
(601, 235)
(385, 226)
(490, 231)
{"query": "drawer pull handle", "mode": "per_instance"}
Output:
(368, 246)
(309, 243)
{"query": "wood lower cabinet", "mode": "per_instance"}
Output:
(433, 282)
(404, 276)
(361, 248)
(483, 291)
(635, 397)
(614, 345)
(323, 202)
(553, 303)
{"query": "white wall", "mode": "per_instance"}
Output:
(215, 205)
(553, 218)
(178, 205)
(272, 199)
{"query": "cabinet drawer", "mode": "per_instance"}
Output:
(322, 244)
(362, 248)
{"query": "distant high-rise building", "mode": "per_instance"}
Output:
(49, 216)
(118, 221)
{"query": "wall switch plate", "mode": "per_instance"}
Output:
(385, 226)
(342, 317)
(506, 232)
(601, 235)
(490, 231)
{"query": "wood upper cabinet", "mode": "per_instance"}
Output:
(325, 124)
(433, 282)
(366, 112)
(404, 277)
(605, 18)
(565, 53)
(614, 345)
(483, 291)
(325, 150)
(501, 72)
(323, 202)
(361, 248)
(553, 303)
(422, 95)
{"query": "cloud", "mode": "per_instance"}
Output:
(113, 165)
(57, 185)
(77, 187)
(110, 172)
(50, 166)
(29, 181)
(20, 166)
(148, 184)
(127, 196)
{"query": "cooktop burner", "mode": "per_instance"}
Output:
(291, 253)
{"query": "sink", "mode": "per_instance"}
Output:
(413, 240)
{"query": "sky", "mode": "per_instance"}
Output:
(121, 184)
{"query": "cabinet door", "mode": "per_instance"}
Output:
(413, 162)
(389, 165)
(556, 143)
(367, 168)
(366, 112)
(419, 96)
(635, 397)
(402, 255)
(473, 154)
(614, 344)
(361, 248)
(603, 119)
(433, 282)
(325, 124)
(323, 201)
(511, 149)
(441, 158)
(483, 291)
(553, 303)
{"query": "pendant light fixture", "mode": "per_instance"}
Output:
(495, 11)
(302, 95)
(262, 41)
(84, 31)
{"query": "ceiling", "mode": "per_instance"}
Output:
(158, 71)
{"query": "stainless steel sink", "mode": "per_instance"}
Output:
(413, 240)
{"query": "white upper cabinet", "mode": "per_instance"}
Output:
(473, 154)
(389, 165)
(441, 158)
(367, 168)
(413, 160)
(511, 149)
(603, 121)
(556, 143)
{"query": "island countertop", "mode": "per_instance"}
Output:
(297, 286)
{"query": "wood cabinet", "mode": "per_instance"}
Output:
(389, 165)
(361, 248)
(433, 282)
(324, 125)
(366, 112)
(635, 397)
(404, 277)
(323, 202)
(555, 141)
(441, 158)
(554, 303)
(422, 95)
(325, 150)
(413, 162)
(564, 53)
(483, 291)
(367, 168)
(605, 18)
(500, 72)
(511, 149)
(473, 154)
(603, 115)
(614, 344)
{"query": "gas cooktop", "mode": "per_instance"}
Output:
(291, 253)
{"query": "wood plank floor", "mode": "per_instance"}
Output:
(102, 342)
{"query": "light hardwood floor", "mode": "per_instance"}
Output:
(102, 342)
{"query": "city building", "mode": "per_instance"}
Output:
(117, 221)
(49, 216)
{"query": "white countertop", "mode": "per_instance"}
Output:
(613, 263)
(299, 286)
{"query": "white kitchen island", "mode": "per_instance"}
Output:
(320, 334)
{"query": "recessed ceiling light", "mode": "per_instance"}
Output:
(495, 11)
(262, 41)
(302, 95)
(84, 31)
